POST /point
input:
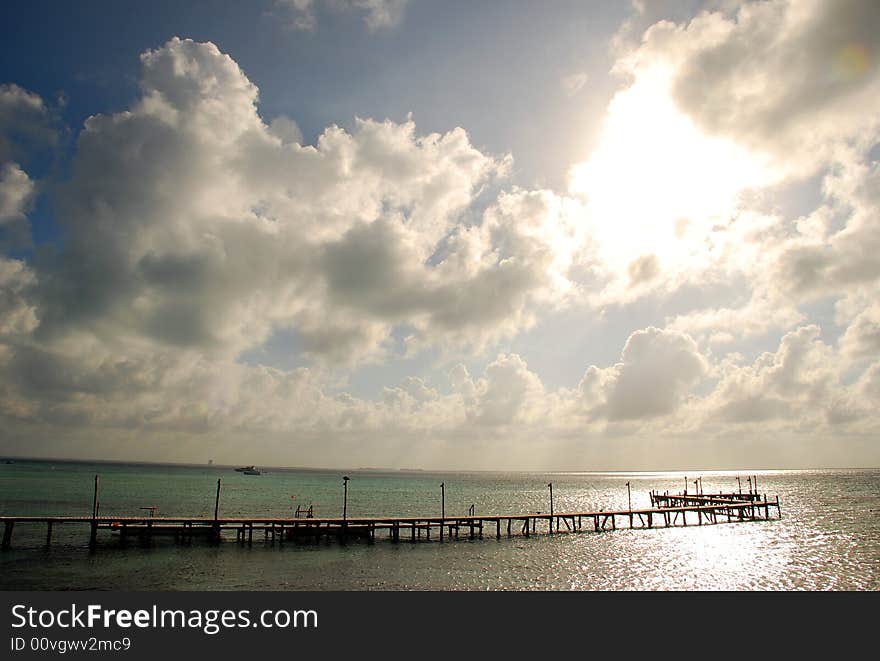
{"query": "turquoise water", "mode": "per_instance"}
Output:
(828, 538)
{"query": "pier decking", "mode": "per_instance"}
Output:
(668, 510)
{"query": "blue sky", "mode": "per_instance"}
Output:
(568, 235)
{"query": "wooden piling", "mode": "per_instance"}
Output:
(7, 533)
(93, 536)
(216, 531)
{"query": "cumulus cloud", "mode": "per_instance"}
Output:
(861, 340)
(16, 192)
(658, 369)
(795, 382)
(25, 123)
(194, 231)
(792, 79)
(821, 260)
(722, 326)
(26, 128)
(17, 313)
(170, 201)
(286, 130)
(508, 393)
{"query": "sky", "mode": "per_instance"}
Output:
(441, 235)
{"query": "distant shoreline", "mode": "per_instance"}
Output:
(428, 471)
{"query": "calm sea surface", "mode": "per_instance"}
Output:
(828, 538)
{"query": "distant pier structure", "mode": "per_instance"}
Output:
(667, 510)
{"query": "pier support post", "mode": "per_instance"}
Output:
(442, 508)
(7, 534)
(48, 532)
(93, 537)
(215, 531)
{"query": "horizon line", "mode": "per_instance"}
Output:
(422, 470)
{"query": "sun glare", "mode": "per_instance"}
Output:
(656, 184)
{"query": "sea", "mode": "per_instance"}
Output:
(828, 538)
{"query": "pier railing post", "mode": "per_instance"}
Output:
(93, 537)
(629, 502)
(442, 508)
(344, 530)
(215, 531)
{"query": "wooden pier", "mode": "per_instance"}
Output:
(667, 510)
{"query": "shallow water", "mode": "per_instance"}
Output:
(827, 539)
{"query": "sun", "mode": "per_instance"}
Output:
(656, 184)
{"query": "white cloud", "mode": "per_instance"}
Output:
(573, 83)
(657, 371)
(25, 123)
(194, 231)
(823, 261)
(793, 384)
(509, 393)
(362, 233)
(721, 326)
(17, 313)
(286, 130)
(377, 14)
(16, 191)
(861, 341)
(26, 128)
(789, 78)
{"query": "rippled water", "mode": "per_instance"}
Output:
(828, 538)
